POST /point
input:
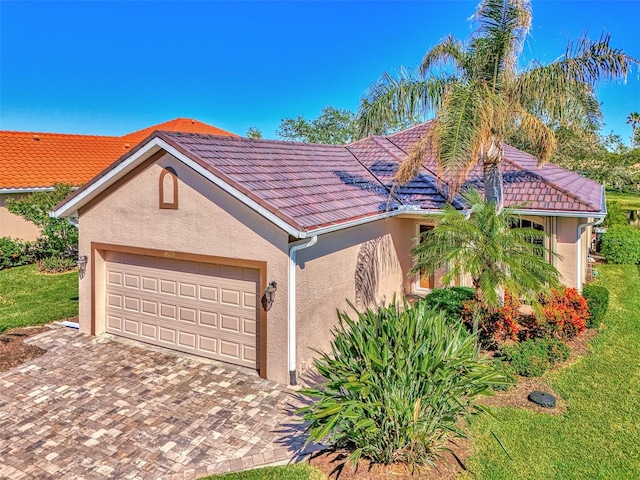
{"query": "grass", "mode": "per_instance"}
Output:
(627, 201)
(599, 437)
(28, 297)
(297, 471)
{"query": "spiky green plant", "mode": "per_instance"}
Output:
(479, 92)
(485, 246)
(398, 380)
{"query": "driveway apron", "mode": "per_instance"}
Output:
(100, 408)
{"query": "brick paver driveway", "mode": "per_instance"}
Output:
(96, 407)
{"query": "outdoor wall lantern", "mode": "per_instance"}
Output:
(269, 296)
(82, 265)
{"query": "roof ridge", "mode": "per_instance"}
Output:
(550, 182)
(252, 140)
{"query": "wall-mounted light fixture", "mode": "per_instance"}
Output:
(82, 265)
(269, 295)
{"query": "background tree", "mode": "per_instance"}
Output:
(485, 246)
(333, 126)
(254, 132)
(634, 120)
(479, 93)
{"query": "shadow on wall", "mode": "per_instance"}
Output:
(378, 273)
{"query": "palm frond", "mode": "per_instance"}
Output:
(399, 97)
(501, 29)
(540, 136)
(448, 51)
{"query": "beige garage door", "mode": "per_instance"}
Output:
(204, 309)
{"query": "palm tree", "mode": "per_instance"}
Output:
(634, 120)
(485, 94)
(485, 246)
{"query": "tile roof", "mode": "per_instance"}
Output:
(311, 186)
(546, 187)
(36, 160)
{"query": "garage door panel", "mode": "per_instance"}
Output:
(208, 310)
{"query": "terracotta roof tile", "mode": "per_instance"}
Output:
(32, 160)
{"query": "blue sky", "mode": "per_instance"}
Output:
(114, 67)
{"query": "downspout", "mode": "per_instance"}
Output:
(579, 231)
(292, 305)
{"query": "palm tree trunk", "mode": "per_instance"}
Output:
(491, 162)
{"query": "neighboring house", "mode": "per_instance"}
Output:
(185, 233)
(34, 162)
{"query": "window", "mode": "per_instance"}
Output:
(425, 282)
(168, 189)
(522, 223)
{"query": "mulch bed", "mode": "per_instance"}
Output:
(13, 350)
(334, 465)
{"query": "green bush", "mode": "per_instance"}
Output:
(14, 253)
(57, 235)
(506, 371)
(56, 264)
(449, 301)
(529, 358)
(621, 245)
(398, 380)
(598, 301)
(615, 215)
(558, 351)
(533, 357)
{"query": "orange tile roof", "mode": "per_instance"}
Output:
(36, 160)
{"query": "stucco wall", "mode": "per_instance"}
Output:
(208, 222)
(365, 265)
(566, 241)
(14, 226)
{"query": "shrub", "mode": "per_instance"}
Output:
(449, 301)
(565, 314)
(621, 245)
(56, 264)
(14, 253)
(598, 301)
(506, 371)
(57, 235)
(397, 382)
(558, 351)
(529, 358)
(532, 357)
(495, 325)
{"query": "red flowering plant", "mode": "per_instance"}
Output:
(495, 325)
(564, 314)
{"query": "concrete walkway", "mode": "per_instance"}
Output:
(102, 408)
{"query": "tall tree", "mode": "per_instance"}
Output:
(254, 132)
(333, 126)
(634, 120)
(478, 93)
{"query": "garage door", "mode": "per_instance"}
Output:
(204, 309)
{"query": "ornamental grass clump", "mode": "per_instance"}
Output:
(398, 380)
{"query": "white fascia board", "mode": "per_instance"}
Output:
(25, 190)
(359, 221)
(560, 213)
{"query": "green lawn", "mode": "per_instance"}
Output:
(28, 297)
(599, 437)
(627, 201)
(297, 471)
